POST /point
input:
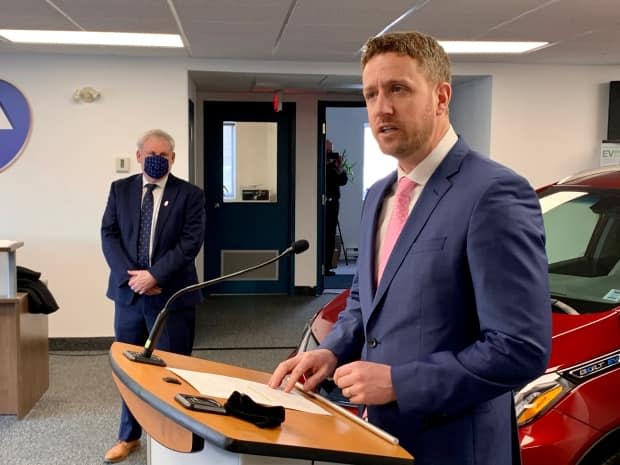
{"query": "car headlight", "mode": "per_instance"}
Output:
(540, 395)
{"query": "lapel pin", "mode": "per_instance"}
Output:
(166, 203)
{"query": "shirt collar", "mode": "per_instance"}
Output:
(161, 183)
(425, 169)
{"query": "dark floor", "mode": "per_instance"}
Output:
(250, 322)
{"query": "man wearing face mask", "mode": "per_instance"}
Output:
(152, 229)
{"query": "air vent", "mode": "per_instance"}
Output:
(235, 260)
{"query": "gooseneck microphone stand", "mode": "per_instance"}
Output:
(146, 356)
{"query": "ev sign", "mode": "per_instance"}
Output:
(14, 123)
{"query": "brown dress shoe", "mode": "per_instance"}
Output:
(120, 451)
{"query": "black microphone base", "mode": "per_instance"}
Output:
(141, 358)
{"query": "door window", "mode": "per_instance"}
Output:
(249, 168)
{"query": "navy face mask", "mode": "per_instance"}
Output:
(156, 166)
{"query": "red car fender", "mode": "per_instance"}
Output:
(555, 438)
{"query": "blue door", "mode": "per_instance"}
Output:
(248, 184)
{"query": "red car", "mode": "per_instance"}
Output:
(571, 414)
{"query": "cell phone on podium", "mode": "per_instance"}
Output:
(200, 403)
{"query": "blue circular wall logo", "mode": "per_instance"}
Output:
(14, 123)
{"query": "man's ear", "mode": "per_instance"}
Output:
(444, 94)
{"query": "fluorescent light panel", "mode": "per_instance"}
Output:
(131, 39)
(125, 39)
(460, 46)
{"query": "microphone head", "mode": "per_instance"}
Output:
(299, 246)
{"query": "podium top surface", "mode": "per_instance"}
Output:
(332, 438)
(9, 246)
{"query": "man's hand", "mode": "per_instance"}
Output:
(365, 383)
(153, 291)
(143, 282)
(315, 365)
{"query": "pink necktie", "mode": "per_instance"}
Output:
(400, 212)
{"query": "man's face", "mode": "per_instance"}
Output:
(404, 108)
(155, 146)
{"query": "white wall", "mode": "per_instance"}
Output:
(470, 112)
(546, 122)
(54, 195)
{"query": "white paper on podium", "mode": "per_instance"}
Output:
(223, 386)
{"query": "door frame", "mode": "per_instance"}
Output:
(288, 113)
(320, 201)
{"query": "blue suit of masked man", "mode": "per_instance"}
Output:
(139, 291)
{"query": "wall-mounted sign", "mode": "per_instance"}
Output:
(610, 154)
(15, 123)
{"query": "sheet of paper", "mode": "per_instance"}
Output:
(223, 386)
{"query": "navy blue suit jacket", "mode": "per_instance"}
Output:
(462, 312)
(179, 234)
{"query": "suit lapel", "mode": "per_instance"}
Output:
(433, 192)
(366, 266)
(134, 208)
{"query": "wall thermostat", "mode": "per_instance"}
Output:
(122, 164)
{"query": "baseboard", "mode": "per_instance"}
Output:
(80, 343)
(305, 290)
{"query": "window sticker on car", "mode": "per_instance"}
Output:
(613, 295)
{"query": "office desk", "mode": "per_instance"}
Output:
(178, 435)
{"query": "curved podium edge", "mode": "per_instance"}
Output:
(154, 415)
(184, 433)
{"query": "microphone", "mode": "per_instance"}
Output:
(146, 356)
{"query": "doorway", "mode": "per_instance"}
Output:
(342, 123)
(248, 163)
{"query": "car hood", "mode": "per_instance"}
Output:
(579, 338)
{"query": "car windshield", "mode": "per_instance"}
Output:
(583, 247)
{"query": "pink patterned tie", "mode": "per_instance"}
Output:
(400, 213)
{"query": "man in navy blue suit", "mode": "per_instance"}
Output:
(451, 314)
(152, 229)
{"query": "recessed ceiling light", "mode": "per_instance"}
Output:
(126, 39)
(460, 46)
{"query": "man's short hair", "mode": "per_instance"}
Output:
(156, 133)
(421, 47)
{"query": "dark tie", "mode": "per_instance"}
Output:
(146, 218)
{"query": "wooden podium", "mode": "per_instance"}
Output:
(24, 361)
(179, 435)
